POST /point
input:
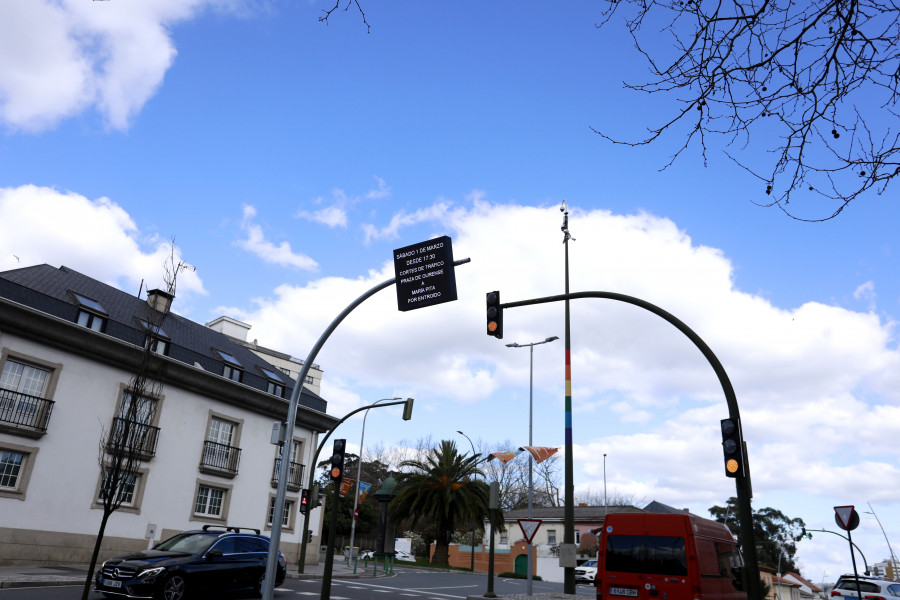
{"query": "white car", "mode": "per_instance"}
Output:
(401, 555)
(586, 572)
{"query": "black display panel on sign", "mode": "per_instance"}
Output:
(425, 274)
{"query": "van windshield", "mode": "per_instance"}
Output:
(654, 554)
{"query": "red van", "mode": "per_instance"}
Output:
(651, 556)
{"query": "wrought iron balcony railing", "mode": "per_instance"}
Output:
(220, 459)
(295, 474)
(133, 436)
(23, 414)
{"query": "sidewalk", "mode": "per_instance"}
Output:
(30, 576)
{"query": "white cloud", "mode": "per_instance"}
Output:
(383, 191)
(96, 237)
(58, 58)
(436, 213)
(280, 254)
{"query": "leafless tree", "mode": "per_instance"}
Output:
(337, 4)
(126, 443)
(815, 83)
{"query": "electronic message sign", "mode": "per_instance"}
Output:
(425, 274)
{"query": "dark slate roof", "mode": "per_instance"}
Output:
(49, 290)
(659, 507)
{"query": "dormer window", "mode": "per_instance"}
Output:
(233, 369)
(274, 385)
(91, 313)
(156, 338)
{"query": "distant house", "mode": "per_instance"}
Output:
(68, 347)
(807, 590)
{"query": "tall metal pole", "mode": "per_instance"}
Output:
(569, 511)
(530, 570)
(359, 473)
(605, 499)
(891, 550)
(472, 553)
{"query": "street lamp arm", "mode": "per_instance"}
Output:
(849, 540)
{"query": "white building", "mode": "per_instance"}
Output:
(68, 347)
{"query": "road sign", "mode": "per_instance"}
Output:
(846, 517)
(529, 527)
(425, 274)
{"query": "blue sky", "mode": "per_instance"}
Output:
(288, 158)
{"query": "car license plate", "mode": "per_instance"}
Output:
(623, 592)
(112, 583)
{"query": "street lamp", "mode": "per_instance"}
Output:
(472, 565)
(530, 442)
(358, 474)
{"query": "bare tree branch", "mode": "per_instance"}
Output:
(337, 3)
(816, 83)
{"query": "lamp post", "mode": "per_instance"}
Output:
(530, 442)
(358, 474)
(472, 553)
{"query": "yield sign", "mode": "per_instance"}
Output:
(844, 515)
(529, 527)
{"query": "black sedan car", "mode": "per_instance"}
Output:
(202, 561)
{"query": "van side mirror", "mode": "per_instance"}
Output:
(738, 581)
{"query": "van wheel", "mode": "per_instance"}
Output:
(175, 588)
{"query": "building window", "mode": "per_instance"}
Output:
(209, 501)
(10, 469)
(129, 491)
(504, 539)
(233, 369)
(16, 463)
(274, 384)
(156, 339)
(134, 427)
(577, 537)
(91, 313)
(25, 387)
(286, 516)
(309, 379)
(295, 468)
(221, 454)
(551, 536)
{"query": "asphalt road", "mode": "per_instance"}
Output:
(407, 584)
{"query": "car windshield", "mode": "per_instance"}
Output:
(189, 543)
(589, 563)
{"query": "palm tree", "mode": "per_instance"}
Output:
(442, 487)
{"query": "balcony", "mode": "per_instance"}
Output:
(219, 459)
(295, 475)
(133, 436)
(21, 414)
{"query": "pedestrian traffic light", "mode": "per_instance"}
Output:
(494, 315)
(304, 501)
(733, 447)
(337, 460)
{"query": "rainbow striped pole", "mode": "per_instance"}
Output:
(569, 510)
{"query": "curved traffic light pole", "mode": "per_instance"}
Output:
(283, 472)
(742, 484)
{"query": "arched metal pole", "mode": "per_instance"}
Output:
(742, 484)
(272, 560)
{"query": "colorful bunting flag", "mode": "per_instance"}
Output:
(346, 484)
(540, 453)
(503, 456)
(364, 490)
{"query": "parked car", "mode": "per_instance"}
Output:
(402, 555)
(586, 572)
(214, 559)
(872, 588)
(367, 554)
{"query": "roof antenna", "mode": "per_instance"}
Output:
(141, 289)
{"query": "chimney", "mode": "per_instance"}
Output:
(160, 300)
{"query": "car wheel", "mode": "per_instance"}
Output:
(259, 584)
(175, 588)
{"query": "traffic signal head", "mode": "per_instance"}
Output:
(314, 501)
(407, 409)
(494, 315)
(337, 460)
(304, 501)
(733, 447)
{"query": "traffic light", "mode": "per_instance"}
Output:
(314, 500)
(407, 409)
(304, 502)
(494, 315)
(733, 447)
(337, 460)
